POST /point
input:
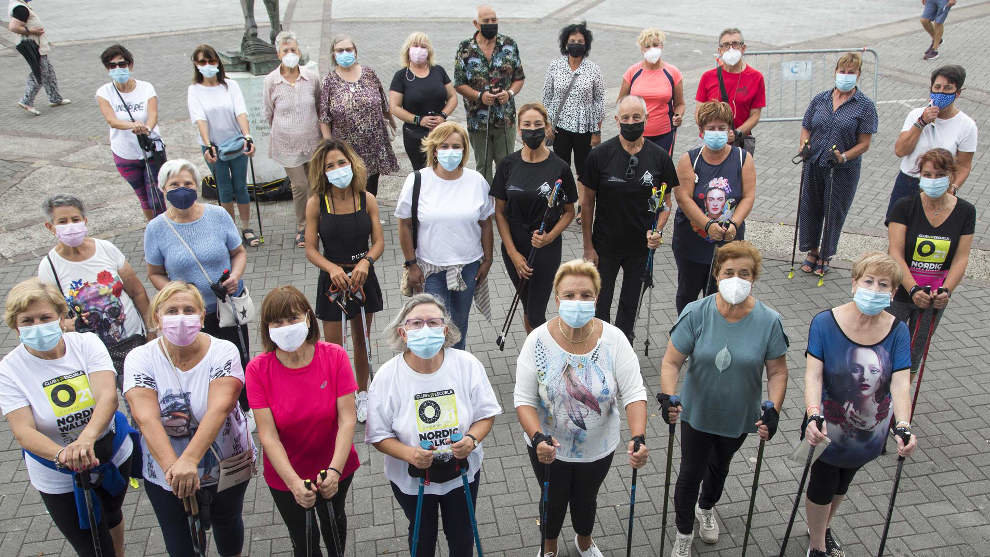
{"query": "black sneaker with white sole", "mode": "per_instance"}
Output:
(832, 547)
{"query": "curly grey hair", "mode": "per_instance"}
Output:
(394, 339)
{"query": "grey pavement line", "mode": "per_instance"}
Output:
(571, 10)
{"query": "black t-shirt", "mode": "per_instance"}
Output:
(21, 13)
(929, 250)
(622, 206)
(524, 186)
(421, 95)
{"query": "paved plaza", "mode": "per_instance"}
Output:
(943, 505)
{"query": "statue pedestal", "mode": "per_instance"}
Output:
(252, 86)
(260, 64)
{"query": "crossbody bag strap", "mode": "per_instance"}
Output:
(670, 103)
(122, 101)
(567, 93)
(54, 274)
(191, 252)
(417, 185)
(721, 86)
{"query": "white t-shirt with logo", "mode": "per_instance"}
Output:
(182, 397)
(61, 401)
(411, 407)
(94, 286)
(449, 211)
(955, 134)
(124, 143)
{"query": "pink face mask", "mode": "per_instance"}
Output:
(71, 234)
(180, 330)
(418, 54)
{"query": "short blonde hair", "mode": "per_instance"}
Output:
(173, 167)
(440, 134)
(713, 111)
(879, 264)
(580, 268)
(416, 37)
(850, 59)
(171, 289)
(27, 292)
(649, 36)
(737, 250)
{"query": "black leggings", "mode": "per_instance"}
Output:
(295, 520)
(575, 484)
(412, 140)
(211, 326)
(536, 291)
(62, 508)
(705, 459)
(564, 142)
(692, 279)
(633, 267)
(827, 481)
(452, 506)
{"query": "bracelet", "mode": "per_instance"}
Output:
(443, 114)
(339, 475)
(59, 465)
(844, 159)
(416, 120)
(906, 424)
(708, 225)
(512, 93)
(809, 412)
(409, 263)
(641, 439)
(914, 290)
(919, 125)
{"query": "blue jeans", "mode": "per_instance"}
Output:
(231, 177)
(225, 515)
(457, 303)
(904, 186)
(936, 11)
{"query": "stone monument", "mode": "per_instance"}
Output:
(256, 56)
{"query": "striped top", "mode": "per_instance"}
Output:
(290, 110)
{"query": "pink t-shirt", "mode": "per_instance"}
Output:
(655, 89)
(303, 403)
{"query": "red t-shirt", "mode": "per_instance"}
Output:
(745, 90)
(656, 90)
(303, 403)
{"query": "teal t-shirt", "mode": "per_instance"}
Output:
(724, 381)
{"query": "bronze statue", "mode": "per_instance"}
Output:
(251, 45)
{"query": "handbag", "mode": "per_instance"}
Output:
(232, 310)
(231, 149)
(152, 146)
(563, 99)
(404, 287)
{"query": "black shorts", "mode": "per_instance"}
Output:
(329, 311)
(827, 481)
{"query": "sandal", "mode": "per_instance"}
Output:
(810, 264)
(822, 268)
(301, 238)
(250, 238)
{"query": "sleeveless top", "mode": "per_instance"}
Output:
(717, 192)
(345, 237)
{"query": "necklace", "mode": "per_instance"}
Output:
(570, 340)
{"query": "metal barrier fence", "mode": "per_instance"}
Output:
(793, 77)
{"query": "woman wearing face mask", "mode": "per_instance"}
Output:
(523, 185)
(354, 108)
(857, 355)
(731, 337)
(421, 95)
(837, 127)
(291, 93)
(570, 375)
(448, 253)
(930, 236)
(130, 107)
(39, 383)
(183, 391)
(190, 238)
(660, 84)
(106, 294)
(431, 391)
(217, 107)
(344, 217)
(701, 173)
(302, 393)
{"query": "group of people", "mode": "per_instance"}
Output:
(195, 394)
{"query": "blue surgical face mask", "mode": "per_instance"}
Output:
(340, 177)
(120, 75)
(41, 337)
(209, 70)
(425, 342)
(576, 313)
(934, 187)
(450, 159)
(181, 198)
(715, 140)
(345, 59)
(871, 302)
(942, 100)
(845, 81)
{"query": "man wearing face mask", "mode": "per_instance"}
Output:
(940, 124)
(488, 73)
(737, 83)
(619, 177)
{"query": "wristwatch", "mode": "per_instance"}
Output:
(409, 263)
(369, 259)
(443, 114)
(473, 438)
(416, 120)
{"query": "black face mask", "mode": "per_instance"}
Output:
(533, 138)
(633, 131)
(489, 30)
(576, 50)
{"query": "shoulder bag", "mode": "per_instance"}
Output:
(152, 146)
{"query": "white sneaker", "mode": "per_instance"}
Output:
(62, 102)
(250, 421)
(682, 545)
(707, 525)
(592, 550)
(362, 406)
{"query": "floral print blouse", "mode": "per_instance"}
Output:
(584, 108)
(356, 114)
(472, 67)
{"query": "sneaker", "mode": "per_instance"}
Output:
(707, 525)
(931, 55)
(30, 109)
(592, 550)
(362, 406)
(250, 421)
(682, 545)
(832, 547)
(547, 554)
(62, 102)
(816, 553)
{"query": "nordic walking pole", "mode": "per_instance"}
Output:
(309, 521)
(924, 355)
(196, 532)
(656, 207)
(674, 401)
(797, 498)
(905, 436)
(334, 533)
(632, 500)
(545, 500)
(828, 211)
(423, 480)
(463, 469)
(94, 531)
(766, 406)
(801, 157)
(257, 204)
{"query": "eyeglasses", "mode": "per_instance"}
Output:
(631, 167)
(114, 65)
(433, 323)
(205, 61)
(733, 44)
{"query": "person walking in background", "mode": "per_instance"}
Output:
(421, 95)
(659, 84)
(488, 73)
(933, 16)
(130, 107)
(25, 22)
(290, 98)
(354, 108)
(735, 82)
